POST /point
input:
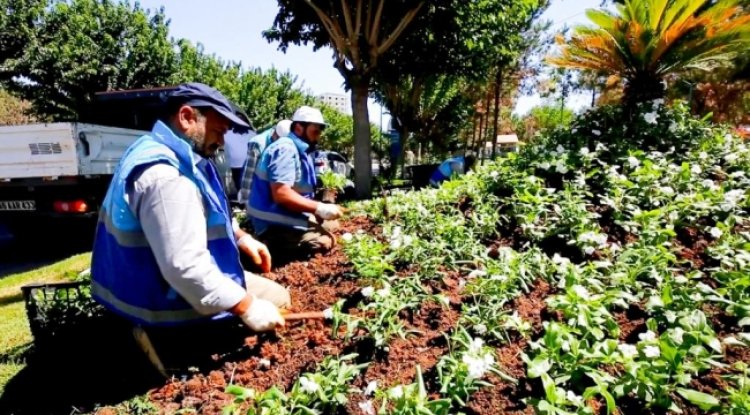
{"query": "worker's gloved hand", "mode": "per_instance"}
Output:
(262, 315)
(328, 211)
(257, 251)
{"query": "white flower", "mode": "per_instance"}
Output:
(670, 315)
(580, 291)
(396, 392)
(627, 350)
(658, 103)
(673, 127)
(494, 174)
(347, 237)
(680, 279)
(407, 239)
(367, 292)
(596, 132)
(560, 167)
(545, 165)
(633, 162)
(480, 328)
(366, 407)
(696, 169)
(676, 335)
(574, 399)
(666, 190)
(702, 155)
(395, 243)
(396, 232)
(372, 386)
(731, 157)
(308, 385)
(560, 148)
(264, 363)
(478, 366)
(557, 259)
(651, 351)
(328, 313)
(384, 292)
(648, 336)
(476, 273)
(651, 117)
(716, 233)
(475, 346)
(654, 302)
(584, 151)
(588, 250)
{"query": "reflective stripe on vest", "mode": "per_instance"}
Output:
(262, 209)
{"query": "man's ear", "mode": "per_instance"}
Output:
(186, 117)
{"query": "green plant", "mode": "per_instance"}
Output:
(332, 181)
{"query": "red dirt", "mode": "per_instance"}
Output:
(505, 397)
(314, 285)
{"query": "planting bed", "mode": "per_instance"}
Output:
(576, 277)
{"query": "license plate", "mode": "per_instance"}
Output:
(17, 205)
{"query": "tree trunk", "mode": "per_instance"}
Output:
(498, 86)
(362, 141)
(642, 88)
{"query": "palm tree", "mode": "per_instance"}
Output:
(645, 40)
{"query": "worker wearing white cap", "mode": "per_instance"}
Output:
(255, 148)
(281, 205)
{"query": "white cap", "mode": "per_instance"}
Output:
(283, 127)
(308, 114)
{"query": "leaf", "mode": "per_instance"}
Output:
(538, 367)
(699, 399)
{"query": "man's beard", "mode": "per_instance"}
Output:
(199, 144)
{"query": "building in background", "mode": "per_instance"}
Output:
(337, 101)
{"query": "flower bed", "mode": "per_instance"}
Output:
(600, 270)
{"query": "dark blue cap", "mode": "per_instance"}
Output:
(196, 94)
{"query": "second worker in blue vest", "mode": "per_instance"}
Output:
(281, 206)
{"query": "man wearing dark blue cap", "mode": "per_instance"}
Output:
(166, 248)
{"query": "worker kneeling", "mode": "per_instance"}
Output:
(166, 252)
(281, 206)
(453, 166)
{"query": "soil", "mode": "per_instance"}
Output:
(323, 280)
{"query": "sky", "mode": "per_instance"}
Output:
(231, 29)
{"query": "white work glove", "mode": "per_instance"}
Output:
(257, 251)
(328, 211)
(262, 315)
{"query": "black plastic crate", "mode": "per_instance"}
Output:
(56, 310)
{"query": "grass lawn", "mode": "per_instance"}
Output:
(15, 336)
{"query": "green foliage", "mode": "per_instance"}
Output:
(85, 46)
(646, 40)
(332, 181)
(543, 119)
(18, 20)
(13, 110)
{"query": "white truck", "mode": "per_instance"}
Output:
(57, 171)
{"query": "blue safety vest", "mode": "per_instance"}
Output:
(125, 275)
(262, 140)
(262, 209)
(445, 170)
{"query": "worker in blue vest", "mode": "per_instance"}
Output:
(453, 166)
(166, 252)
(254, 149)
(281, 207)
